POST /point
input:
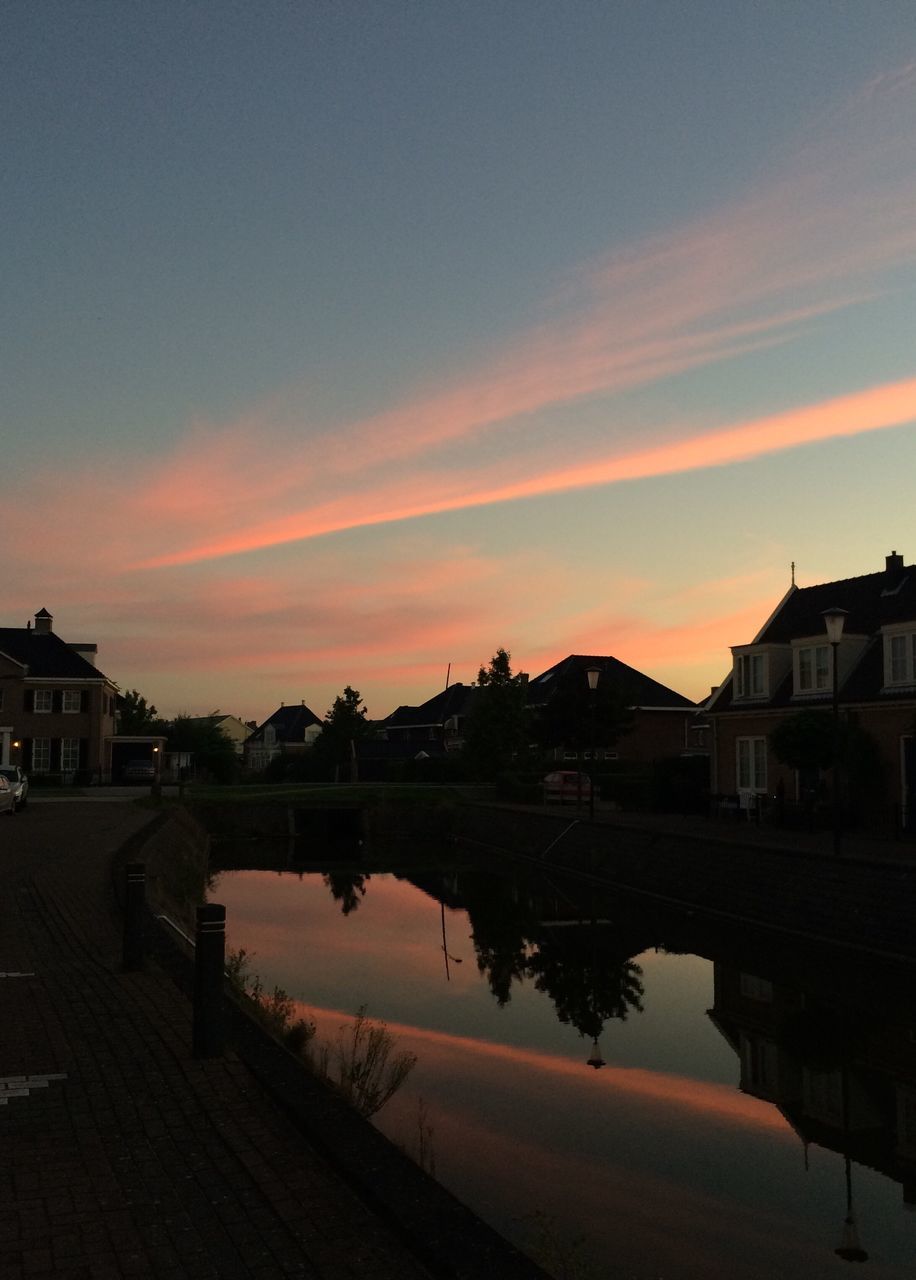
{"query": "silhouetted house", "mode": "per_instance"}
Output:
(436, 726)
(236, 730)
(57, 710)
(788, 667)
(291, 730)
(662, 723)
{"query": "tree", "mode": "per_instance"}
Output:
(344, 726)
(565, 719)
(212, 751)
(805, 740)
(135, 714)
(495, 732)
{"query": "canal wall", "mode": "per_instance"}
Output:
(864, 905)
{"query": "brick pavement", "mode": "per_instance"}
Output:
(121, 1155)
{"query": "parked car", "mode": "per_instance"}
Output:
(18, 781)
(7, 798)
(138, 771)
(566, 786)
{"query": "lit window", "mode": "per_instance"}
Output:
(71, 701)
(749, 675)
(41, 755)
(69, 755)
(751, 764)
(42, 701)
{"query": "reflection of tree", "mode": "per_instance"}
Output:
(346, 888)
(587, 987)
(500, 932)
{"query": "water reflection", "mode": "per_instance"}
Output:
(756, 1116)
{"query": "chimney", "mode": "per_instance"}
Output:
(893, 564)
(87, 651)
(43, 621)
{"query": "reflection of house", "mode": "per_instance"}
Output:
(663, 723)
(236, 730)
(289, 731)
(56, 708)
(788, 667)
(843, 1080)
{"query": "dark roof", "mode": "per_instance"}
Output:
(453, 701)
(630, 685)
(872, 601)
(45, 655)
(290, 722)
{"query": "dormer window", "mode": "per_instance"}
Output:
(813, 672)
(750, 675)
(900, 658)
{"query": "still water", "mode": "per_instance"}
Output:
(749, 1091)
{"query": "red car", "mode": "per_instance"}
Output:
(566, 786)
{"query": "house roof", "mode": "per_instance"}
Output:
(633, 687)
(290, 722)
(872, 601)
(46, 656)
(453, 701)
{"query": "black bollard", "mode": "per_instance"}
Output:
(209, 965)
(134, 911)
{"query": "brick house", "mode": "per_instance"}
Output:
(788, 666)
(663, 723)
(57, 710)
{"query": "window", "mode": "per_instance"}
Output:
(754, 988)
(71, 701)
(41, 701)
(69, 755)
(749, 675)
(751, 764)
(900, 658)
(813, 668)
(759, 1064)
(41, 755)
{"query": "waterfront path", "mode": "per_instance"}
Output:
(120, 1154)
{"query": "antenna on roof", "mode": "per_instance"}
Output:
(793, 573)
(448, 675)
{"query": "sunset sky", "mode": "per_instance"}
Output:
(344, 341)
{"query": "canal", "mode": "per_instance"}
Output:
(623, 1092)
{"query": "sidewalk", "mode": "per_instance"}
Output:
(121, 1154)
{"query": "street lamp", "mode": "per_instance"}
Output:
(595, 1060)
(834, 621)
(592, 673)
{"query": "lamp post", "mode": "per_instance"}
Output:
(592, 673)
(834, 621)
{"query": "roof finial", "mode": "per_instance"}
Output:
(793, 573)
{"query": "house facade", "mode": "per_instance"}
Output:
(236, 730)
(289, 731)
(789, 667)
(57, 710)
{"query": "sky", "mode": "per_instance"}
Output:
(345, 343)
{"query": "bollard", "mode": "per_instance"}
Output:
(209, 965)
(134, 911)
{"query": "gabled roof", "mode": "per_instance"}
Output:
(453, 701)
(633, 687)
(46, 656)
(289, 722)
(872, 601)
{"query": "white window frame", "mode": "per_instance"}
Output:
(813, 668)
(69, 755)
(900, 657)
(751, 764)
(44, 695)
(751, 675)
(41, 755)
(68, 696)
